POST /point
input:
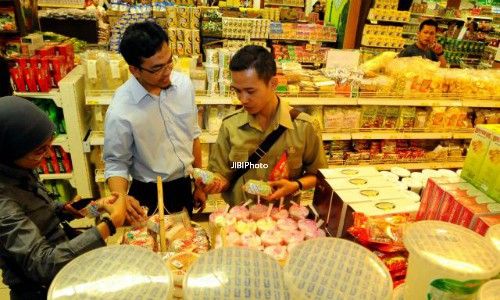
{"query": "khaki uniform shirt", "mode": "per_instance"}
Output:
(239, 136)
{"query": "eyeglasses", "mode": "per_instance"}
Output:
(166, 67)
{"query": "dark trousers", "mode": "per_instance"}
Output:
(27, 293)
(177, 194)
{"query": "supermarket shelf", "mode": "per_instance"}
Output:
(304, 40)
(282, 4)
(96, 138)
(98, 99)
(62, 140)
(379, 47)
(481, 103)
(394, 135)
(56, 176)
(413, 166)
(407, 102)
(320, 100)
(216, 100)
(333, 136)
(462, 135)
(53, 94)
(61, 5)
(437, 17)
(387, 21)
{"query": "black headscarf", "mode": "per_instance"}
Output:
(23, 127)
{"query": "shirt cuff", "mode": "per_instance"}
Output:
(90, 239)
(123, 174)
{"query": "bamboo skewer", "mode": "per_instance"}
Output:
(161, 212)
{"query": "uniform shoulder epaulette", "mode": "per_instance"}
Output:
(304, 117)
(232, 114)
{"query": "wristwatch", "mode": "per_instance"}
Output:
(299, 183)
(111, 226)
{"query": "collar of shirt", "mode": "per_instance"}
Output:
(282, 117)
(139, 92)
(15, 175)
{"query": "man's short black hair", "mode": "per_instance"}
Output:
(141, 40)
(257, 58)
(428, 22)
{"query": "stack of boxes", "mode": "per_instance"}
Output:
(42, 70)
(59, 162)
(341, 192)
(472, 201)
(183, 28)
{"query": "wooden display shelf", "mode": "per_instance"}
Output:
(53, 94)
(407, 102)
(62, 140)
(410, 166)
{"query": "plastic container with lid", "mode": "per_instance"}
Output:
(489, 291)
(459, 172)
(390, 176)
(412, 196)
(401, 172)
(401, 186)
(332, 268)
(493, 236)
(446, 261)
(417, 175)
(114, 272)
(413, 184)
(428, 173)
(235, 273)
(447, 173)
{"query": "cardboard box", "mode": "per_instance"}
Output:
(360, 183)
(484, 223)
(349, 172)
(335, 209)
(476, 153)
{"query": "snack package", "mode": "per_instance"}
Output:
(205, 176)
(382, 232)
(280, 170)
(257, 187)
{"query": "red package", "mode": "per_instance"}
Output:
(59, 67)
(66, 50)
(55, 164)
(66, 159)
(50, 166)
(17, 76)
(43, 79)
(35, 61)
(280, 170)
(47, 50)
(43, 166)
(395, 262)
(22, 62)
(30, 79)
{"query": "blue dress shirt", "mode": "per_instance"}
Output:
(148, 136)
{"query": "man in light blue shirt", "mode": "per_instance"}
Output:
(151, 125)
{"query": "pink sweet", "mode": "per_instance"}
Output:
(311, 234)
(277, 252)
(216, 214)
(271, 237)
(279, 213)
(265, 224)
(298, 212)
(240, 212)
(258, 211)
(287, 224)
(307, 224)
(233, 239)
(292, 237)
(250, 240)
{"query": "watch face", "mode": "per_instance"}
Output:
(349, 172)
(358, 181)
(385, 205)
(369, 193)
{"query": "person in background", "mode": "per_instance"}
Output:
(152, 125)
(253, 73)
(34, 236)
(319, 10)
(472, 31)
(426, 45)
(5, 86)
(451, 32)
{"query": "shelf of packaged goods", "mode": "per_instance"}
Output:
(98, 100)
(283, 4)
(62, 176)
(336, 136)
(481, 103)
(375, 22)
(61, 6)
(408, 102)
(411, 165)
(380, 47)
(216, 100)
(96, 138)
(303, 40)
(394, 135)
(320, 100)
(53, 94)
(462, 135)
(61, 140)
(437, 17)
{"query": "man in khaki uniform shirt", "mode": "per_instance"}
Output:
(254, 80)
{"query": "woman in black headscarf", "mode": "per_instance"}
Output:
(33, 244)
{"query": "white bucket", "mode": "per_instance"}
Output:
(401, 186)
(493, 236)
(446, 261)
(447, 173)
(459, 172)
(390, 176)
(401, 172)
(332, 268)
(413, 196)
(413, 184)
(490, 290)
